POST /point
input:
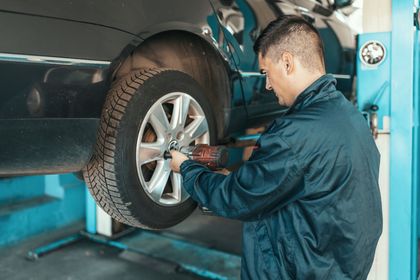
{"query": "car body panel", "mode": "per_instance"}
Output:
(57, 61)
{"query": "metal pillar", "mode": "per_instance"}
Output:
(394, 87)
(90, 214)
(403, 191)
(373, 88)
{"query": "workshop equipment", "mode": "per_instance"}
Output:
(214, 157)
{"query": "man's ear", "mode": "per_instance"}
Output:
(288, 62)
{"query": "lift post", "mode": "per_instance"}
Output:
(394, 87)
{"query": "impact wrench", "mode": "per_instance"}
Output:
(214, 157)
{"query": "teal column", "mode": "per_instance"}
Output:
(90, 213)
(403, 192)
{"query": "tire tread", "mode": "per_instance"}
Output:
(100, 175)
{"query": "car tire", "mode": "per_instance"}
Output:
(144, 114)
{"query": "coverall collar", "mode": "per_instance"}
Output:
(316, 91)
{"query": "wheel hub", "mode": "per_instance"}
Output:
(173, 145)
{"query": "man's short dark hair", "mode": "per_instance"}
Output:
(294, 35)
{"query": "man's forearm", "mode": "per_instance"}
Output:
(209, 189)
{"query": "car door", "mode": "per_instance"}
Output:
(52, 70)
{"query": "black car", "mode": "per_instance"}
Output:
(108, 86)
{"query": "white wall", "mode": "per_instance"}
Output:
(376, 16)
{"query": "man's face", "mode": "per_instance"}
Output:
(277, 79)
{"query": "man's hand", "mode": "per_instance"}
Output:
(223, 171)
(177, 159)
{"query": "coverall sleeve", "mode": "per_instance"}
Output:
(270, 179)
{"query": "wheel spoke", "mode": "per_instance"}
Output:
(149, 152)
(159, 179)
(178, 190)
(180, 111)
(159, 121)
(196, 129)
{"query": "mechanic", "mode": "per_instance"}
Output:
(309, 194)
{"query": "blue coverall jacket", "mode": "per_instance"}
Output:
(308, 195)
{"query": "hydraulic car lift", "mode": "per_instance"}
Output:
(168, 248)
(388, 92)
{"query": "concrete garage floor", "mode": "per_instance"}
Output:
(89, 260)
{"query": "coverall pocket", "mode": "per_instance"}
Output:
(288, 246)
(270, 259)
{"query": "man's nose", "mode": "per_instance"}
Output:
(267, 84)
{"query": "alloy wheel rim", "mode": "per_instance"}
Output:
(174, 121)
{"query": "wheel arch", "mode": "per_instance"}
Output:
(192, 54)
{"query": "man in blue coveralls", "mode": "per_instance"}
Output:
(309, 194)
